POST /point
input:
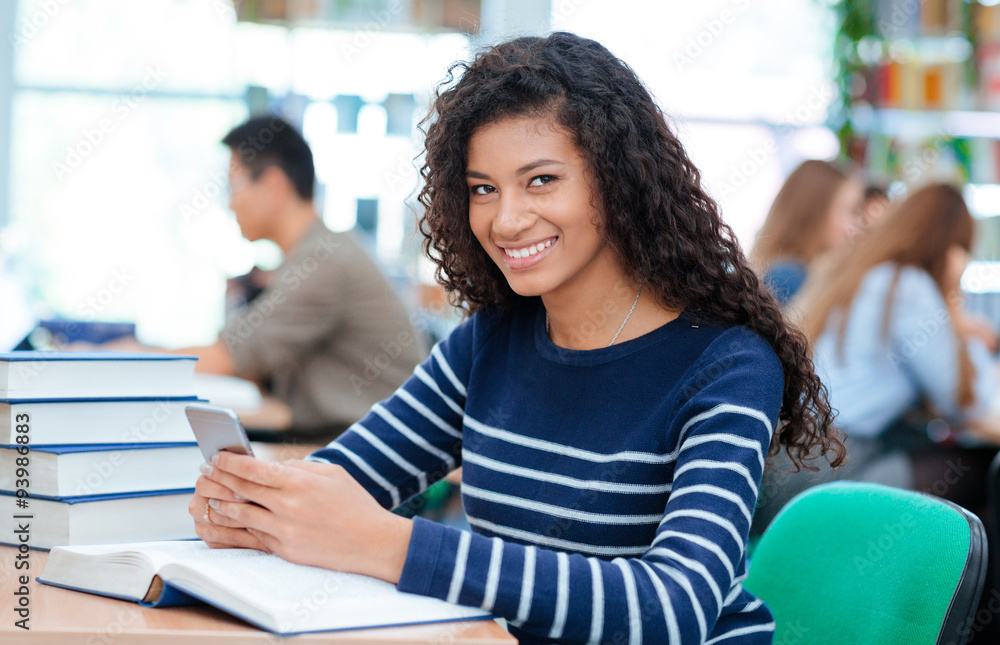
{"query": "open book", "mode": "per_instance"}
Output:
(258, 587)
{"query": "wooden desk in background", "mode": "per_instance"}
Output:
(64, 617)
(273, 414)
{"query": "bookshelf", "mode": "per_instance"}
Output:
(920, 98)
(922, 75)
(368, 16)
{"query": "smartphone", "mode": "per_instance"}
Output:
(217, 429)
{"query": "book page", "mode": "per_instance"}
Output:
(120, 570)
(156, 553)
(290, 598)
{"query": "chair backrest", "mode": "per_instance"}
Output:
(993, 486)
(849, 562)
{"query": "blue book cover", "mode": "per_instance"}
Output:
(66, 449)
(95, 355)
(83, 499)
(100, 399)
(95, 374)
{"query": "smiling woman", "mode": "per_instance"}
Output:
(533, 212)
(612, 397)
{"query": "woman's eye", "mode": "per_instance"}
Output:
(541, 179)
(482, 189)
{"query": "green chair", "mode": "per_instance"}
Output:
(857, 563)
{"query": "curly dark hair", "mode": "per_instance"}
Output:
(664, 228)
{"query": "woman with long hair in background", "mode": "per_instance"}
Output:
(896, 350)
(817, 210)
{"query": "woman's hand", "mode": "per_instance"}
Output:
(217, 531)
(308, 513)
(971, 325)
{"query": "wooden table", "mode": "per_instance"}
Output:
(273, 414)
(64, 617)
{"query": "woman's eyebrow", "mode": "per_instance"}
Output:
(535, 164)
(528, 167)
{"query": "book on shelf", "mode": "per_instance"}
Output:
(99, 519)
(260, 588)
(96, 374)
(97, 420)
(79, 470)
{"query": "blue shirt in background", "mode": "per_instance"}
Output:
(875, 377)
(784, 279)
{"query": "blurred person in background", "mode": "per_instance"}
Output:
(817, 210)
(901, 358)
(327, 334)
(875, 205)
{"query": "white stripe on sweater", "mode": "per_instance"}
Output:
(527, 587)
(409, 433)
(493, 575)
(428, 414)
(722, 437)
(742, 631)
(564, 450)
(685, 584)
(557, 511)
(427, 380)
(669, 617)
(702, 542)
(631, 601)
(565, 545)
(597, 608)
(715, 491)
(562, 595)
(371, 472)
(708, 517)
(446, 368)
(697, 567)
(722, 408)
(391, 454)
(461, 559)
(582, 484)
(697, 464)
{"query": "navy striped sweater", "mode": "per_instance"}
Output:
(610, 491)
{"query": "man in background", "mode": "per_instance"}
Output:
(327, 335)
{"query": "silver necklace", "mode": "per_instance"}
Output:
(617, 333)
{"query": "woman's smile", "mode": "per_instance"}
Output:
(525, 256)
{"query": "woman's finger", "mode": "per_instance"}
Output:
(248, 515)
(265, 473)
(209, 489)
(266, 540)
(240, 489)
(221, 537)
(214, 517)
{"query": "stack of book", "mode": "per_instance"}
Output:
(95, 447)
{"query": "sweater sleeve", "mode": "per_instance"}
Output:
(674, 593)
(414, 438)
